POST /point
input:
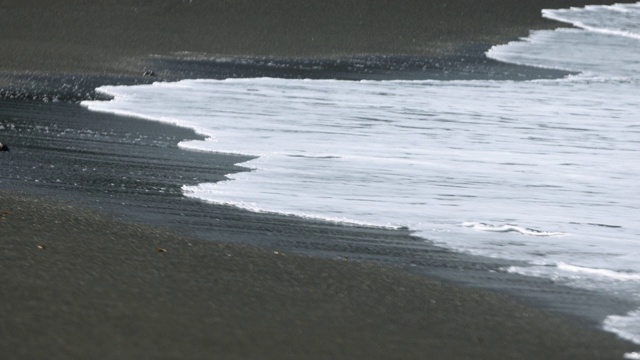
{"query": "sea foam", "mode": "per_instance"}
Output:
(510, 158)
(617, 20)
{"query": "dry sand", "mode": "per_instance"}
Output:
(112, 37)
(77, 285)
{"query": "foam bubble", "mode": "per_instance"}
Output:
(560, 270)
(626, 326)
(606, 273)
(509, 228)
(600, 19)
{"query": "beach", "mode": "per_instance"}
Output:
(102, 256)
(77, 284)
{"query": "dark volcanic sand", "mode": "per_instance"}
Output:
(107, 37)
(103, 36)
(77, 285)
(80, 284)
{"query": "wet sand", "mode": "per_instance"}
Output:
(80, 283)
(79, 37)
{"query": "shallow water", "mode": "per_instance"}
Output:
(543, 171)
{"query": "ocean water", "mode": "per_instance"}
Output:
(542, 171)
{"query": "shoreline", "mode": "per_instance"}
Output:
(57, 158)
(95, 39)
(469, 64)
(96, 277)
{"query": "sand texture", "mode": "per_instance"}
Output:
(79, 283)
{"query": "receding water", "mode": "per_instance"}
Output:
(543, 171)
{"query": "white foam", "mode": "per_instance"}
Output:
(544, 159)
(584, 276)
(604, 34)
(611, 282)
(421, 155)
(213, 188)
(594, 55)
(626, 326)
(504, 228)
(617, 20)
(605, 273)
(602, 30)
